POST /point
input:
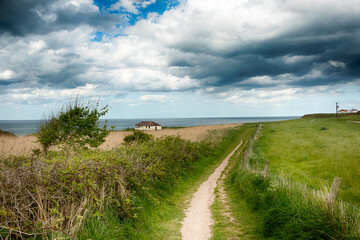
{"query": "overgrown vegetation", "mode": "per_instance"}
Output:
(56, 196)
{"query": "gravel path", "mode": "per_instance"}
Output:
(196, 225)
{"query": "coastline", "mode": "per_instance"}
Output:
(26, 127)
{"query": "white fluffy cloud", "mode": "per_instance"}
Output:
(7, 74)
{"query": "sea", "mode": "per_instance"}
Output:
(26, 127)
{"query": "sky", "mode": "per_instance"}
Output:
(180, 58)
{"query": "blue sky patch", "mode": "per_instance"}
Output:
(97, 36)
(138, 10)
(131, 11)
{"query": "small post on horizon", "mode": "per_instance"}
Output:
(337, 107)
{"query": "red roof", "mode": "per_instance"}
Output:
(147, 123)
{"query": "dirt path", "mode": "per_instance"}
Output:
(198, 220)
(354, 121)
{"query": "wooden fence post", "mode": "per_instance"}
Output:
(243, 160)
(266, 168)
(334, 190)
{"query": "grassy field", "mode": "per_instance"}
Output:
(290, 202)
(320, 147)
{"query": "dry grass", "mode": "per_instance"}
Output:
(197, 133)
(17, 145)
(24, 145)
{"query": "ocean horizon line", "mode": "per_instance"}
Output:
(26, 127)
(127, 118)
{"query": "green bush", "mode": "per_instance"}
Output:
(138, 137)
(75, 127)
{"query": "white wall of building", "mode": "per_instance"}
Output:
(145, 128)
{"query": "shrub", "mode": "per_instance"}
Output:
(138, 137)
(74, 127)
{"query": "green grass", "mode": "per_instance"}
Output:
(321, 147)
(161, 209)
(281, 206)
(288, 210)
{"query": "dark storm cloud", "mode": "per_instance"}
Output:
(317, 47)
(67, 77)
(22, 17)
(321, 40)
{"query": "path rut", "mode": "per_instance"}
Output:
(198, 220)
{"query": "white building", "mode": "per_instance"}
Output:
(147, 125)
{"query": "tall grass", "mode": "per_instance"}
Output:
(292, 211)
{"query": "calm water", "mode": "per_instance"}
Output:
(24, 127)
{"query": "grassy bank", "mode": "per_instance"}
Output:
(289, 203)
(308, 150)
(288, 210)
(132, 192)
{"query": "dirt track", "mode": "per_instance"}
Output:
(198, 220)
